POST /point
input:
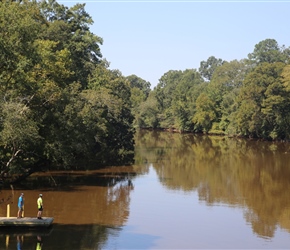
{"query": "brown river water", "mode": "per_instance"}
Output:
(183, 192)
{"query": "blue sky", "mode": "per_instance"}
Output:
(149, 38)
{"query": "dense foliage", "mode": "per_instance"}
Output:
(249, 98)
(60, 105)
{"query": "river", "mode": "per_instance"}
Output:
(183, 192)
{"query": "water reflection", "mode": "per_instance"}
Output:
(74, 237)
(20, 238)
(19, 242)
(94, 209)
(244, 173)
(85, 207)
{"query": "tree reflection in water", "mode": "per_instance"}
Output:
(251, 174)
(92, 208)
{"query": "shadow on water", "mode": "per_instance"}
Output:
(73, 237)
(71, 180)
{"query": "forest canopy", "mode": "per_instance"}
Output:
(60, 105)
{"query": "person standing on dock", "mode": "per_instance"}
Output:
(40, 206)
(20, 206)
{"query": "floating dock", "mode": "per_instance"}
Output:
(31, 222)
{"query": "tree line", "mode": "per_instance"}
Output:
(61, 107)
(248, 98)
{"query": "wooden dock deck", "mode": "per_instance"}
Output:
(25, 222)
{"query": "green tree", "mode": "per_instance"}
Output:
(165, 90)
(176, 93)
(264, 103)
(286, 77)
(60, 106)
(19, 28)
(114, 89)
(70, 28)
(208, 67)
(140, 90)
(19, 138)
(139, 83)
(184, 99)
(269, 51)
(205, 114)
(223, 90)
(148, 115)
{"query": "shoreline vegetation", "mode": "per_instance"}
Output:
(210, 133)
(62, 108)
